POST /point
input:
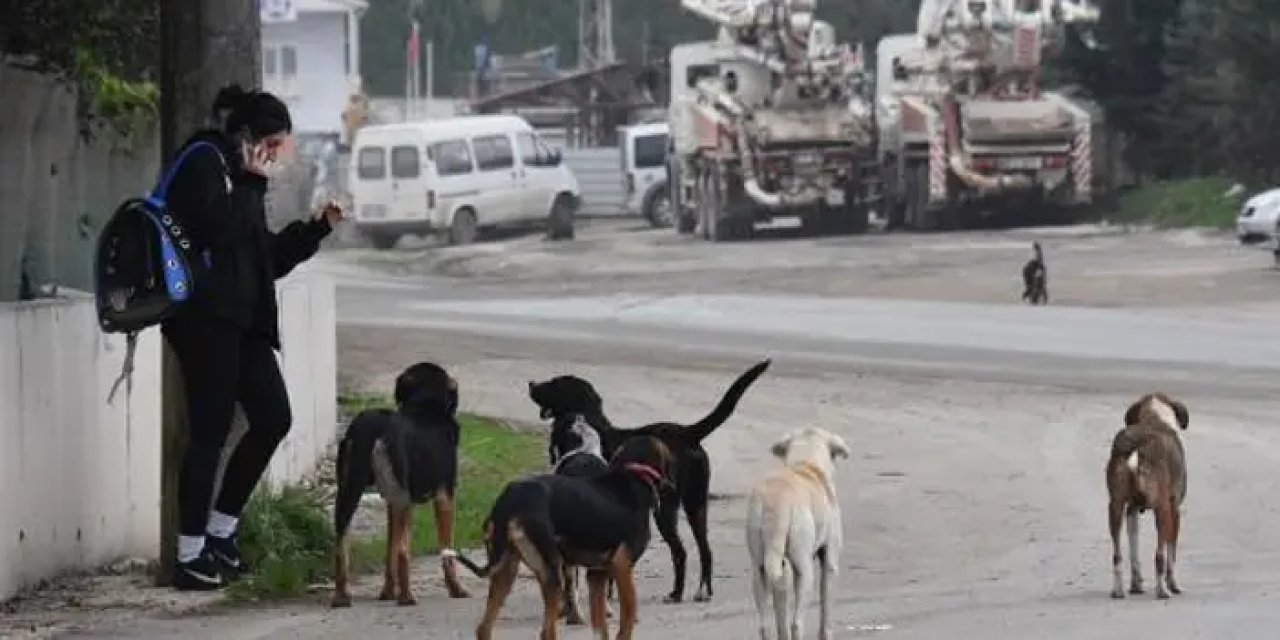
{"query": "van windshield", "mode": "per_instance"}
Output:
(650, 151)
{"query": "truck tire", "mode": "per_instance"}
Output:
(918, 215)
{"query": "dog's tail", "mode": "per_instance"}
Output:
(497, 527)
(776, 530)
(355, 465)
(697, 432)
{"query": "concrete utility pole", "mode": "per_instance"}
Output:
(204, 46)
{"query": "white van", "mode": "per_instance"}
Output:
(644, 171)
(457, 176)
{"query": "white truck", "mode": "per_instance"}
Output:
(767, 121)
(965, 129)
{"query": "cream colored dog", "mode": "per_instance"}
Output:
(794, 530)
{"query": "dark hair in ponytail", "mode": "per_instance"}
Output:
(258, 111)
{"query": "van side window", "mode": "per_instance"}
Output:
(452, 157)
(650, 151)
(371, 163)
(494, 153)
(404, 162)
(529, 154)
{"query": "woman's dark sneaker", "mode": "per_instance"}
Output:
(227, 552)
(201, 574)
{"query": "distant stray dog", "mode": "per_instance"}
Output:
(1147, 469)
(601, 523)
(563, 397)
(411, 455)
(794, 530)
(1035, 278)
(583, 461)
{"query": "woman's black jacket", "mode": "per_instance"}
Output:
(238, 259)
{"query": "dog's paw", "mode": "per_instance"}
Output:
(1175, 589)
(458, 591)
(702, 596)
(407, 601)
(341, 601)
(387, 595)
(673, 598)
(1137, 590)
(1117, 594)
(1161, 594)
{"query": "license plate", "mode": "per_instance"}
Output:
(1031, 162)
(373, 211)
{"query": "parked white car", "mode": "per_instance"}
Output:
(643, 148)
(457, 176)
(1256, 223)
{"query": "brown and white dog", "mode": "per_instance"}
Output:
(1147, 469)
(794, 530)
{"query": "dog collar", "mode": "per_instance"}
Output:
(648, 472)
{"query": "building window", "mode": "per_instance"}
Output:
(280, 69)
(346, 45)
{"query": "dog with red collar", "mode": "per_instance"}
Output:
(600, 523)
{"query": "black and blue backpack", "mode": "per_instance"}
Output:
(143, 264)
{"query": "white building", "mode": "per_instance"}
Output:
(311, 58)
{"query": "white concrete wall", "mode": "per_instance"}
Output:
(309, 360)
(80, 479)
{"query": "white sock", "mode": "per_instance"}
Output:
(189, 547)
(221, 525)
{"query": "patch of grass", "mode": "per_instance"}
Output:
(1195, 202)
(287, 536)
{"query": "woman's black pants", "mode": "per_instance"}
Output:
(221, 365)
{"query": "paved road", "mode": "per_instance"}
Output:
(973, 503)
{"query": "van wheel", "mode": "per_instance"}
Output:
(560, 220)
(383, 241)
(463, 230)
(657, 208)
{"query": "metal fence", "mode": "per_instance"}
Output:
(600, 178)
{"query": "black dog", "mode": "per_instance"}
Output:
(411, 456)
(564, 398)
(552, 521)
(1035, 278)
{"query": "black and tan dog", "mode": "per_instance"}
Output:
(552, 521)
(1147, 469)
(564, 398)
(411, 456)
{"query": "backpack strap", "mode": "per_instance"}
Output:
(126, 371)
(159, 197)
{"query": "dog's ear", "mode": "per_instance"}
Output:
(839, 450)
(1179, 409)
(780, 448)
(1135, 411)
